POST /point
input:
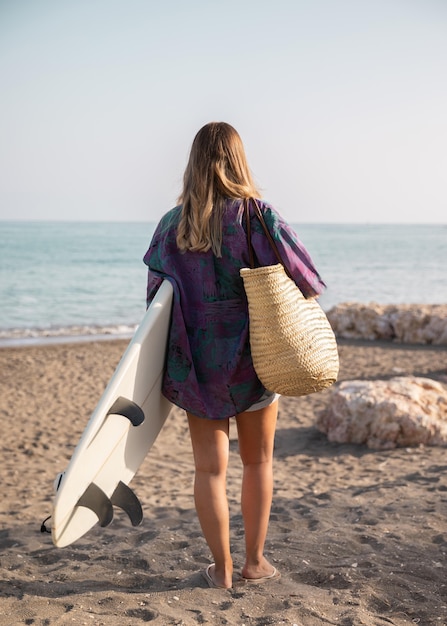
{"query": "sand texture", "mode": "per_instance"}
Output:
(360, 536)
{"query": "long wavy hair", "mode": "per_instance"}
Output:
(217, 169)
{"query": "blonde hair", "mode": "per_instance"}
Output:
(217, 169)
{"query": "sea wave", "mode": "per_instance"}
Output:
(64, 334)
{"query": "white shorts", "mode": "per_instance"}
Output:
(267, 398)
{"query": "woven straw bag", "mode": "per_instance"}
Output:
(293, 346)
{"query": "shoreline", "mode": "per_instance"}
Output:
(412, 324)
(28, 342)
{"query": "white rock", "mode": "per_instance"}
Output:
(400, 412)
(405, 323)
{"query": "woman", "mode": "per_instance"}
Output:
(200, 246)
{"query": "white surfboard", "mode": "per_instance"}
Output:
(119, 434)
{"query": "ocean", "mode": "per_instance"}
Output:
(87, 279)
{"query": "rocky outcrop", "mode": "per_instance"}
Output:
(404, 323)
(402, 411)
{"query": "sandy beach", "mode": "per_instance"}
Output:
(360, 536)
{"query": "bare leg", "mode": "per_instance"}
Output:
(256, 432)
(210, 443)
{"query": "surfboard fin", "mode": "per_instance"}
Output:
(125, 499)
(127, 408)
(97, 501)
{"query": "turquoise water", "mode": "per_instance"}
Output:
(89, 278)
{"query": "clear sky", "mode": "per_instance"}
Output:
(341, 104)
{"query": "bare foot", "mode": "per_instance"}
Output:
(263, 569)
(217, 579)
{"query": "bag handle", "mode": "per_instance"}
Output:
(266, 231)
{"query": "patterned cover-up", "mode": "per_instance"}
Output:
(209, 370)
